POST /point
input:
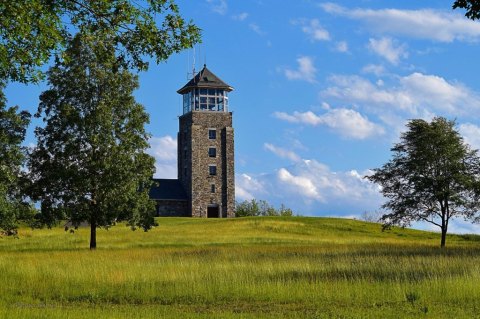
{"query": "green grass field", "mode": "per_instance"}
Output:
(294, 267)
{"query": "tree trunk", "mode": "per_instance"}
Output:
(444, 207)
(93, 234)
(444, 237)
(93, 219)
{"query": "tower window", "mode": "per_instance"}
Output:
(212, 134)
(212, 188)
(212, 152)
(212, 170)
(205, 100)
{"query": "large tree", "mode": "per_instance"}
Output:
(12, 155)
(432, 177)
(90, 162)
(31, 30)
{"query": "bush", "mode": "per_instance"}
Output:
(260, 208)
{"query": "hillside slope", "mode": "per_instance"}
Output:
(275, 267)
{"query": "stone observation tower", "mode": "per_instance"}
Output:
(206, 180)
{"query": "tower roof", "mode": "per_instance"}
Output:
(205, 79)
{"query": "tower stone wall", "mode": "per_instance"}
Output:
(195, 142)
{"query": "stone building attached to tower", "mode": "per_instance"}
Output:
(206, 181)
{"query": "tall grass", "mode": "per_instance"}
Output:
(240, 268)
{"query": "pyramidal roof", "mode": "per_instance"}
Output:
(205, 79)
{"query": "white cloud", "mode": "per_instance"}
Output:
(300, 185)
(357, 90)
(341, 46)
(256, 28)
(460, 226)
(310, 187)
(331, 7)
(431, 89)
(334, 187)
(240, 17)
(306, 70)
(281, 152)
(218, 6)
(297, 117)
(247, 187)
(351, 124)
(313, 29)
(441, 26)
(388, 49)
(376, 69)
(164, 150)
(346, 122)
(471, 134)
(322, 190)
(417, 94)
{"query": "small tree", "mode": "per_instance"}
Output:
(432, 177)
(285, 211)
(12, 155)
(90, 162)
(371, 217)
(246, 208)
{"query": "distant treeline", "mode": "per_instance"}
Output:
(260, 208)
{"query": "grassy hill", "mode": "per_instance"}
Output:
(240, 268)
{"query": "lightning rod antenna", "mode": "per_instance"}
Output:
(193, 65)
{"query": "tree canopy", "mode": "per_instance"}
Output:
(31, 30)
(12, 156)
(432, 177)
(90, 162)
(472, 8)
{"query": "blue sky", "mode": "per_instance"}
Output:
(322, 91)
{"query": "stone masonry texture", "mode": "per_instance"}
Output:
(194, 161)
(172, 208)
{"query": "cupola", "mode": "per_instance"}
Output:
(206, 92)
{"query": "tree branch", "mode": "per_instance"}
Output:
(430, 221)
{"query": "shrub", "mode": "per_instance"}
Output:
(260, 208)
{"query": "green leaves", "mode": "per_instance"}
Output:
(31, 30)
(12, 155)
